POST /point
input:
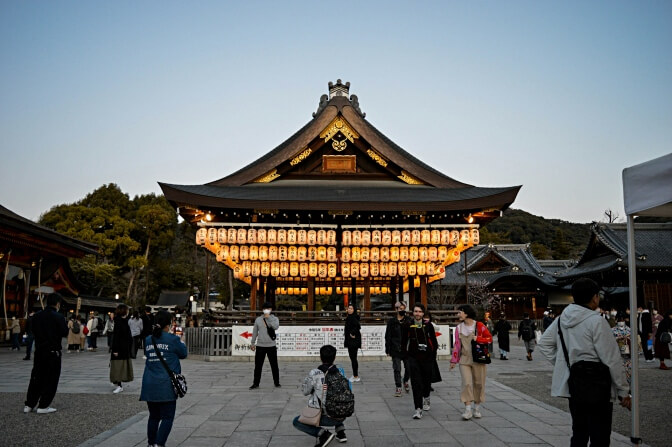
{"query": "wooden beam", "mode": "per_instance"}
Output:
(423, 290)
(253, 295)
(311, 294)
(367, 294)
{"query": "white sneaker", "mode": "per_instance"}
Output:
(477, 413)
(417, 414)
(45, 410)
(354, 379)
(467, 414)
(118, 390)
(144, 357)
(425, 404)
(27, 409)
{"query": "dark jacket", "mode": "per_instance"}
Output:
(156, 385)
(502, 328)
(647, 323)
(147, 322)
(352, 328)
(526, 329)
(121, 339)
(49, 327)
(393, 335)
(413, 336)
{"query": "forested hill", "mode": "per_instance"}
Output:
(548, 238)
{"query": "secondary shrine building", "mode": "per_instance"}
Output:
(338, 208)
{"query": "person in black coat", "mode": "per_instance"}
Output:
(121, 367)
(502, 328)
(393, 346)
(353, 340)
(645, 330)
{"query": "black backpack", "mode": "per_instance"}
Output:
(339, 402)
(528, 331)
(100, 326)
(75, 327)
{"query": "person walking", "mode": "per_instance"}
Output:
(82, 335)
(29, 335)
(419, 346)
(74, 337)
(314, 385)
(548, 319)
(393, 331)
(157, 389)
(92, 326)
(621, 333)
(352, 339)
(49, 328)
(135, 323)
(644, 330)
(587, 337)
(147, 323)
(121, 367)
(473, 374)
(263, 344)
(662, 347)
(526, 330)
(16, 332)
(502, 328)
(109, 330)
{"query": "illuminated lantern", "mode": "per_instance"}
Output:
(396, 237)
(413, 253)
(383, 269)
(201, 236)
(322, 270)
(284, 269)
(465, 237)
(454, 237)
(322, 253)
(375, 254)
(366, 237)
(421, 268)
(291, 236)
(247, 268)
(275, 269)
(218, 256)
(423, 253)
(412, 268)
(212, 235)
(263, 253)
(242, 236)
(431, 268)
(394, 254)
(403, 253)
(221, 236)
(364, 270)
(356, 237)
(273, 253)
(406, 237)
(376, 238)
(321, 237)
(271, 236)
(384, 254)
(293, 269)
(416, 237)
(254, 253)
(332, 270)
(301, 237)
(386, 237)
(312, 269)
(265, 268)
(443, 253)
(426, 237)
(231, 236)
(347, 237)
(282, 253)
(301, 254)
(261, 236)
(345, 270)
(475, 238)
(282, 236)
(331, 254)
(445, 237)
(256, 268)
(303, 269)
(355, 252)
(392, 269)
(365, 254)
(331, 237)
(224, 252)
(402, 269)
(291, 253)
(354, 270)
(252, 236)
(244, 252)
(238, 272)
(312, 237)
(373, 269)
(435, 238)
(345, 254)
(233, 253)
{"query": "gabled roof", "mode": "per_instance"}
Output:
(173, 298)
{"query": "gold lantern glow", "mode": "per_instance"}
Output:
(394, 254)
(282, 236)
(265, 268)
(413, 253)
(416, 237)
(364, 270)
(396, 237)
(425, 237)
(454, 237)
(420, 268)
(212, 235)
(284, 269)
(201, 236)
(392, 268)
(304, 269)
(282, 253)
(355, 253)
(241, 237)
(375, 254)
(244, 252)
(376, 237)
(312, 269)
(365, 254)
(332, 270)
(301, 237)
(402, 269)
(312, 237)
(435, 237)
(345, 254)
(272, 236)
(224, 252)
(423, 253)
(366, 237)
(345, 270)
(321, 237)
(475, 237)
(354, 270)
(247, 268)
(383, 269)
(291, 236)
(233, 253)
(331, 237)
(256, 268)
(445, 237)
(275, 269)
(465, 237)
(347, 237)
(443, 253)
(331, 254)
(431, 268)
(403, 253)
(302, 253)
(322, 270)
(263, 252)
(373, 269)
(321, 253)
(273, 252)
(221, 236)
(406, 237)
(231, 236)
(293, 269)
(291, 253)
(386, 237)
(384, 254)
(254, 253)
(252, 236)
(356, 237)
(412, 268)
(238, 272)
(261, 236)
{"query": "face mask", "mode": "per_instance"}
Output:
(613, 314)
(267, 311)
(621, 323)
(655, 312)
(402, 313)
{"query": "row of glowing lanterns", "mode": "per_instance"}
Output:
(262, 236)
(330, 270)
(328, 290)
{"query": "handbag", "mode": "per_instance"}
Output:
(589, 382)
(178, 381)
(480, 353)
(310, 415)
(270, 330)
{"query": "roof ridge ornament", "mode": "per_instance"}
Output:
(339, 89)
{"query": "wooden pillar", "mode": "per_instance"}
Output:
(367, 294)
(311, 295)
(393, 290)
(253, 295)
(423, 290)
(400, 291)
(353, 292)
(411, 293)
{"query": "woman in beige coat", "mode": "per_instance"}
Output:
(73, 338)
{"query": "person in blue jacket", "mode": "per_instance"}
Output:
(157, 389)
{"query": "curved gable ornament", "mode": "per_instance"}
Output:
(337, 125)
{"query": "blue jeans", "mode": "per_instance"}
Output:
(315, 431)
(163, 413)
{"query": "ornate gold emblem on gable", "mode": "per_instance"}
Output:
(268, 177)
(408, 178)
(337, 125)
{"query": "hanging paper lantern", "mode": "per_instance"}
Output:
(366, 237)
(416, 282)
(426, 237)
(386, 237)
(303, 269)
(284, 269)
(302, 237)
(416, 237)
(222, 236)
(238, 272)
(347, 237)
(241, 237)
(321, 253)
(454, 237)
(293, 269)
(345, 254)
(394, 254)
(218, 256)
(384, 254)
(254, 253)
(261, 236)
(201, 236)
(321, 237)
(383, 269)
(244, 252)
(445, 237)
(312, 237)
(252, 236)
(233, 253)
(263, 253)
(396, 237)
(355, 253)
(345, 270)
(282, 253)
(465, 237)
(231, 236)
(392, 268)
(247, 268)
(273, 252)
(275, 269)
(475, 237)
(364, 270)
(421, 268)
(312, 269)
(406, 237)
(332, 270)
(413, 253)
(354, 270)
(431, 268)
(375, 254)
(402, 269)
(265, 268)
(212, 235)
(435, 237)
(373, 269)
(365, 254)
(302, 253)
(376, 237)
(403, 253)
(322, 270)
(291, 253)
(291, 236)
(271, 236)
(331, 254)
(423, 253)
(443, 253)
(224, 252)
(282, 236)
(412, 270)
(256, 268)
(356, 237)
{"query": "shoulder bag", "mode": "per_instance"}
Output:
(178, 380)
(589, 382)
(270, 330)
(479, 351)
(312, 416)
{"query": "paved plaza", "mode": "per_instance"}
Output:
(219, 410)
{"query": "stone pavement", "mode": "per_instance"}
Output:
(219, 410)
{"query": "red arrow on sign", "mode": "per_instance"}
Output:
(246, 334)
(438, 334)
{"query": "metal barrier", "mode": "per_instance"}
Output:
(208, 341)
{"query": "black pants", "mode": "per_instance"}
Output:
(648, 353)
(259, 356)
(590, 422)
(352, 352)
(44, 378)
(421, 378)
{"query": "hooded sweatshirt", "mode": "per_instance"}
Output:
(587, 337)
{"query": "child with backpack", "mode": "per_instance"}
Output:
(331, 391)
(526, 330)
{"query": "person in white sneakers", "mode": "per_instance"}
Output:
(121, 367)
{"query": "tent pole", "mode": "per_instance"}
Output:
(634, 351)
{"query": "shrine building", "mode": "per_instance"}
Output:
(338, 208)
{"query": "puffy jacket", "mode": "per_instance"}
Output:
(393, 335)
(313, 384)
(156, 384)
(587, 337)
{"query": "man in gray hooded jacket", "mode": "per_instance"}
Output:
(587, 337)
(263, 343)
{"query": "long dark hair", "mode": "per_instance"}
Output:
(162, 319)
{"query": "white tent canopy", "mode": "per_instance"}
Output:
(647, 191)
